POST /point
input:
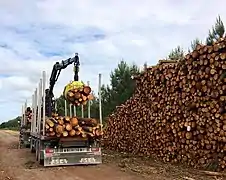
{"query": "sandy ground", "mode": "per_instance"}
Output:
(20, 164)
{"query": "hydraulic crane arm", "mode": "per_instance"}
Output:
(50, 104)
(59, 66)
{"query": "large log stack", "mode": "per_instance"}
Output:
(178, 111)
(58, 126)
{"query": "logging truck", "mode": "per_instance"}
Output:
(52, 150)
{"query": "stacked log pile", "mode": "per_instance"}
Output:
(28, 115)
(26, 125)
(58, 126)
(178, 111)
(77, 93)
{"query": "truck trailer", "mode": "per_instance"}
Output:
(60, 151)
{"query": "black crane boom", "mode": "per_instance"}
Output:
(50, 103)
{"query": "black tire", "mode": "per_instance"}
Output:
(41, 161)
(37, 150)
(27, 146)
(32, 150)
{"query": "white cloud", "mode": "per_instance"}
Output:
(36, 34)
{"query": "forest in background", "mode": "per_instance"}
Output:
(122, 86)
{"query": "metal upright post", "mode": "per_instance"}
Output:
(82, 111)
(39, 106)
(88, 103)
(75, 110)
(55, 108)
(65, 107)
(35, 111)
(44, 102)
(100, 105)
(32, 108)
(38, 112)
(70, 110)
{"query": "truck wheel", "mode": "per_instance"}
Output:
(31, 146)
(38, 153)
(37, 150)
(32, 150)
(41, 161)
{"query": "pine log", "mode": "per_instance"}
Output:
(74, 121)
(87, 121)
(59, 129)
(67, 119)
(68, 127)
(72, 132)
(65, 134)
(87, 90)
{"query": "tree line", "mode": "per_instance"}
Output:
(122, 86)
(11, 124)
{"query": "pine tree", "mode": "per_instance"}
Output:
(145, 66)
(176, 54)
(218, 31)
(121, 87)
(194, 43)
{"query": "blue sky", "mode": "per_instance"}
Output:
(34, 34)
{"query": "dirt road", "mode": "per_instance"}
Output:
(19, 164)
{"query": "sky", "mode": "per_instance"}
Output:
(34, 34)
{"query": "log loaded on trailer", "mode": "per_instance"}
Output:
(64, 140)
(25, 127)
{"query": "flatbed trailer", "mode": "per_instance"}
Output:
(54, 151)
